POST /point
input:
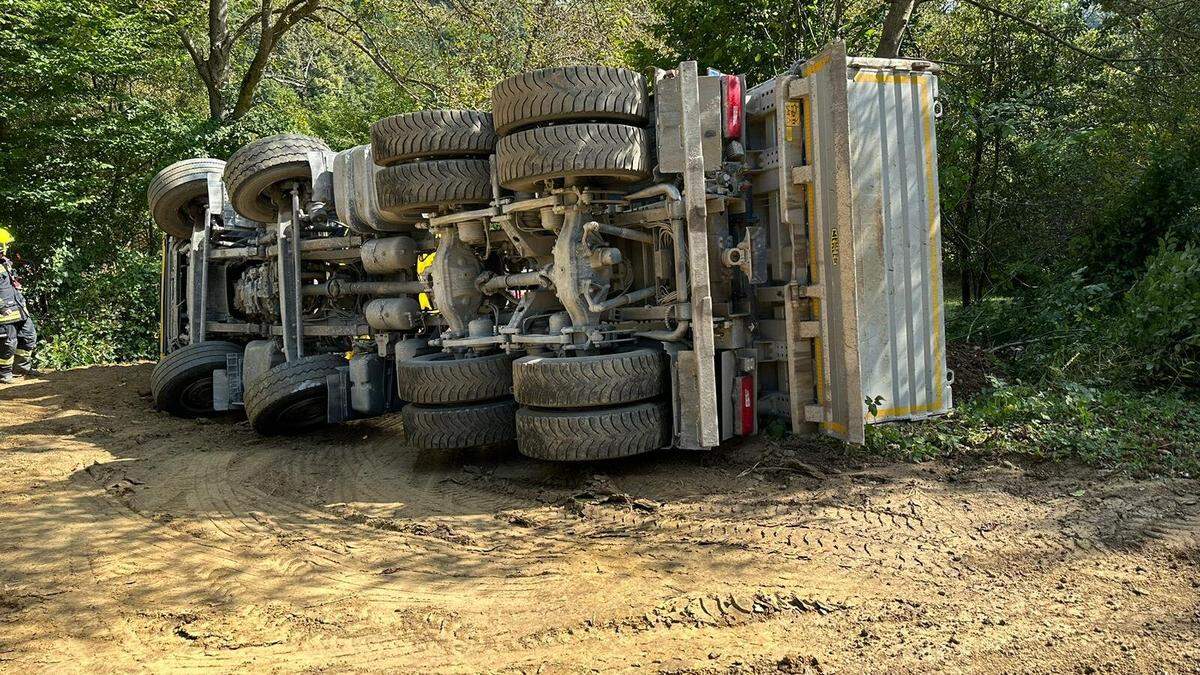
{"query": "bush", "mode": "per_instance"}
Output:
(1049, 330)
(106, 314)
(1161, 323)
(1148, 336)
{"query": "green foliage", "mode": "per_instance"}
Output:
(1164, 202)
(1106, 427)
(103, 318)
(1105, 376)
(1160, 325)
(1148, 336)
(755, 38)
(86, 111)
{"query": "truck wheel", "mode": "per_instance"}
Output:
(570, 93)
(432, 133)
(177, 187)
(426, 186)
(291, 397)
(588, 381)
(260, 165)
(182, 382)
(617, 152)
(439, 378)
(466, 426)
(588, 435)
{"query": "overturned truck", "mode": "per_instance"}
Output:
(604, 265)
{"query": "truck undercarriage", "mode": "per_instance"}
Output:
(605, 265)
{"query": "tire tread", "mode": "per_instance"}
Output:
(202, 356)
(262, 155)
(569, 93)
(422, 186)
(456, 427)
(592, 434)
(588, 381)
(432, 133)
(431, 380)
(285, 379)
(599, 150)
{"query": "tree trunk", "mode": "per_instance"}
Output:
(966, 253)
(899, 12)
(218, 56)
(213, 66)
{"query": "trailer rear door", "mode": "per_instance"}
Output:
(848, 177)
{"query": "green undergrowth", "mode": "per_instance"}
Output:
(1089, 366)
(1142, 432)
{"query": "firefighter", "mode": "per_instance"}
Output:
(17, 331)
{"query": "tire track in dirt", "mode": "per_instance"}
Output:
(229, 582)
(211, 548)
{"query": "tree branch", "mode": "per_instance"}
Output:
(1045, 32)
(241, 29)
(291, 14)
(370, 48)
(192, 52)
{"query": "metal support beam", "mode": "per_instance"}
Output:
(198, 253)
(288, 231)
(704, 342)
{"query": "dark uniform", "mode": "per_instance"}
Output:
(17, 331)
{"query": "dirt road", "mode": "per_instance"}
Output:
(133, 540)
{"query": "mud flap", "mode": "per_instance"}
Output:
(369, 385)
(227, 385)
(337, 386)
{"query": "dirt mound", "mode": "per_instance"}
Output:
(136, 540)
(972, 365)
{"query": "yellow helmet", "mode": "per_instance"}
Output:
(6, 237)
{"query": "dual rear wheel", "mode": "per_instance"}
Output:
(433, 160)
(595, 407)
(457, 401)
(575, 122)
(583, 408)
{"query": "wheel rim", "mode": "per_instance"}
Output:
(197, 396)
(307, 412)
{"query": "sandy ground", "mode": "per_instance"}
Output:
(130, 540)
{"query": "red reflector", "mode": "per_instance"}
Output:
(745, 386)
(734, 102)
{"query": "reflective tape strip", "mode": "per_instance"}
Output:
(24, 352)
(6, 362)
(11, 317)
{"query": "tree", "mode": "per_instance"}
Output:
(213, 66)
(752, 37)
(894, 24)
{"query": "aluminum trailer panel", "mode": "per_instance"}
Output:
(854, 199)
(897, 231)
